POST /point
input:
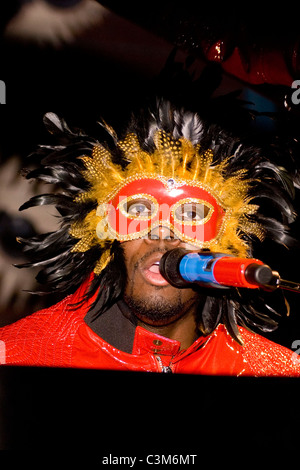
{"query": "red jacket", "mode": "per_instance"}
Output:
(59, 337)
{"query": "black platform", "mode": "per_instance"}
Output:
(141, 414)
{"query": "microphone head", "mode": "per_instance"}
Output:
(169, 267)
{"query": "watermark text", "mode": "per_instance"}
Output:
(2, 92)
(2, 353)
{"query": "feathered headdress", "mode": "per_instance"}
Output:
(172, 147)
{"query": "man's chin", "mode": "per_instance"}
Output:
(157, 313)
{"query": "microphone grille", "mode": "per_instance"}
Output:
(169, 267)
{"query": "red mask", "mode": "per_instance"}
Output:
(187, 209)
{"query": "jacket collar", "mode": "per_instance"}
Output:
(117, 327)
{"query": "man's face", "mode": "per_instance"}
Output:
(153, 300)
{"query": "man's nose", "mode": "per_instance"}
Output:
(162, 233)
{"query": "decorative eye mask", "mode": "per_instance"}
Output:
(190, 212)
(177, 186)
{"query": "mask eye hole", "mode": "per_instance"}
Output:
(138, 207)
(141, 208)
(193, 212)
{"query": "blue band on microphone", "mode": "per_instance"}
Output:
(195, 267)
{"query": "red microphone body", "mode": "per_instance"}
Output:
(180, 266)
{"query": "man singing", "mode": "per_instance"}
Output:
(171, 181)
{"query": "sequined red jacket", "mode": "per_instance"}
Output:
(59, 337)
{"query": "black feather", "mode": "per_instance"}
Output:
(210, 315)
(229, 318)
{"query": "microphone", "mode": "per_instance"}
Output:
(180, 267)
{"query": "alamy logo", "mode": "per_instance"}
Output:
(295, 95)
(2, 92)
(296, 355)
(2, 353)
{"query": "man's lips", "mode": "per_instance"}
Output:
(150, 271)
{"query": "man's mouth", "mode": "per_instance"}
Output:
(150, 271)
